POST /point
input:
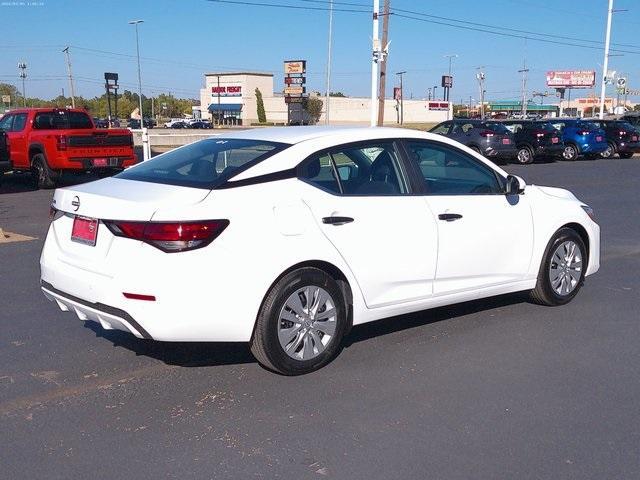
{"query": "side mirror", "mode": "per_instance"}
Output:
(514, 185)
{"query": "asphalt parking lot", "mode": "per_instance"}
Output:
(493, 389)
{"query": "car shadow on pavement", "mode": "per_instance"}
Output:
(207, 354)
(364, 332)
(184, 354)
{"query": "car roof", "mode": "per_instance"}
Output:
(298, 134)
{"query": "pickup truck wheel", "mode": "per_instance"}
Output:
(626, 155)
(44, 177)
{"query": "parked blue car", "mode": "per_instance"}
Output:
(580, 138)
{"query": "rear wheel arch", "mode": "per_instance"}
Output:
(331, 270)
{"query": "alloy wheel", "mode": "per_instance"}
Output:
(569, 152)
(565, 269)
(524, 155)
(307, 322)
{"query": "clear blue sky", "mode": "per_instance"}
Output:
(181, 40)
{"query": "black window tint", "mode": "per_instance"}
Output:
(319, 172)
(448, 171)
(442, 129)
(62, 120)
(366, 169)
(497, 127)
(204, 164)
(19, 122)
(6, 122)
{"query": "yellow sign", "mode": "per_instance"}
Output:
(295, 66)
(293, 90)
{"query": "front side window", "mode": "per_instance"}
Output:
(366, 169)
(205, 164)
(6, 122)
(19, 122)
(449, 171)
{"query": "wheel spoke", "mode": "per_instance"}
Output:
(292, 348)
(295, 304)
(317, 342)
(328, 327)
(287, 335)
(307, 348)
(328, 313)
(290, 316)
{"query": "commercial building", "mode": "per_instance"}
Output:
(230, 98)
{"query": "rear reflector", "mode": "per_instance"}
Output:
(137, 296)
(170, 236)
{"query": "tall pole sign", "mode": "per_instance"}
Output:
(295, 91)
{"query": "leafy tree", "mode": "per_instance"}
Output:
(337, 94)
(314, 108)
(262, 116)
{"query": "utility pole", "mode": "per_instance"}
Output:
(136, 23)
(400, 74)
(481, 77)
(605, 65)
(429, 89)
(327, 96)
(383, 63)
(374, 62)
(73, 93)
(23, 75)
(434, 92)
(524, 70)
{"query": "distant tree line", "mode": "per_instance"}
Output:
(165, 105)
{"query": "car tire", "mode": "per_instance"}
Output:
(570, 152)
(288, 329)
(625, 155)
(524, 155)
(44, 177)
(609, 152)
(562, 270)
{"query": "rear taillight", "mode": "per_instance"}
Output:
(170, 236)
(539, 133)
(61, 142)
(583, 132)
(486, 133)
(622, 132)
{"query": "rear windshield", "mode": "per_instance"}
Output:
(62, 120)
(205, 164)
(496, 127)
(544, 126)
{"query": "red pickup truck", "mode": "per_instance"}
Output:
(49, 141)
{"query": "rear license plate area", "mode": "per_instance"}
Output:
(598, 138)
(634, 139)
(85, 231)
(100, 162)
(506, 141)
(554, 140)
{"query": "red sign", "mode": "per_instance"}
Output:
(227, 91)
(571, 78)
(438, 105)
(397, 93)
(294, 80)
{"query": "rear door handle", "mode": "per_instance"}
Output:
(449, 217)
(336, 220)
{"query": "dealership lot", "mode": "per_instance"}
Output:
(492, 389)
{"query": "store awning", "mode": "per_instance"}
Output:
(225, 107)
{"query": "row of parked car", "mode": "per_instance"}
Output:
(524, 141)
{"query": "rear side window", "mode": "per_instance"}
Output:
(371, 169)
(6, 122)
(205, 164)
(62, 120)
(19, 122)
(442, 129)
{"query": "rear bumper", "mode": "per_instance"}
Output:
(554, 150)
(628, 147)
(501, 152)
(109, 317)
(111, 162)
(593, 147)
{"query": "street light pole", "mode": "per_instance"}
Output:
(73, 95)
(605, 66)
(326, 116)
(374, 63)
(400, 74)
(135, 23)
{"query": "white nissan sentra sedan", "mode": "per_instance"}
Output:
(287, 237)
